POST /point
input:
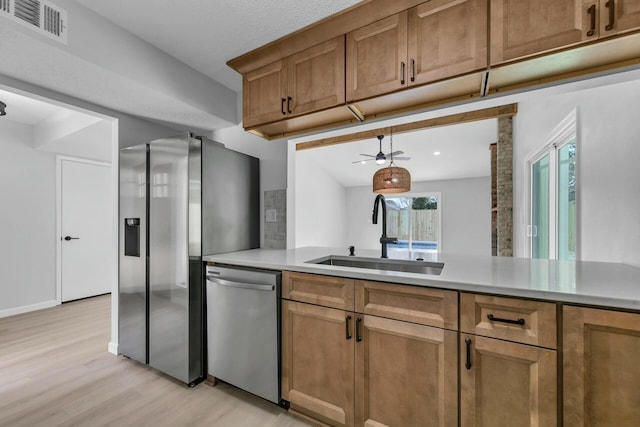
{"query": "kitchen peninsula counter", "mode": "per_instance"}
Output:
(580, 282)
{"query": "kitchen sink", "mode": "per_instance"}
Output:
(409, 266)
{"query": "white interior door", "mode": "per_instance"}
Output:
(86, 229)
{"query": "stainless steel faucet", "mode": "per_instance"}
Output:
(384, 240)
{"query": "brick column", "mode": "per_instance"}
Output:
(505, 186)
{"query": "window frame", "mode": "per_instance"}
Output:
(411, 195)
(564, 133)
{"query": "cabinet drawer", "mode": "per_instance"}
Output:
(496, 317)
(431, 307)
(327, 291)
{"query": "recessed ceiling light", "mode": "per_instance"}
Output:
(436, 153)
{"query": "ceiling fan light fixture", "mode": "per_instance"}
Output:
(2, 109)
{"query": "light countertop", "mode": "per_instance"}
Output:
(590, 283)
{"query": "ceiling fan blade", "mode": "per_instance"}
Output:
(363, 161)
(401, 158)
(395, 153)
(367, 155)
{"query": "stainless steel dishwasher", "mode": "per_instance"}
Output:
(243, 319)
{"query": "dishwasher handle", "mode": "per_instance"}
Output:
(232, 284)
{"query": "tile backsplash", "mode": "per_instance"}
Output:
(275, 219)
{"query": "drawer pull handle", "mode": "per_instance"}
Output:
(289, 99)
(611, 4)
(402, 73)
(282, 106)
(348, 327)
(467, 364)
(592, 14)
(358, 323)
(492, 318)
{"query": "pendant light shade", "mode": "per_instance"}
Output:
(2, 107)
(392, 179)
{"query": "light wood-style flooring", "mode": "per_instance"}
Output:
(55, 371)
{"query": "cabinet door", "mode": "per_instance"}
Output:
(263, 98)
(318, 362)
(406, 374)
(618, 16)
(505, 384)
(316, 78)
(601, 369)
(416, 304)
(446, 38)
(377, 58)
(522, 28)
(330, 291)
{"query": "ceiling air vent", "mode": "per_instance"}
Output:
(42, 16)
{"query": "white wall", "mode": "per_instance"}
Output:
(465, 214)
(108, 66)
(27, 221)
(320, 205)
(608, 155)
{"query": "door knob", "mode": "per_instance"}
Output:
(67, 238)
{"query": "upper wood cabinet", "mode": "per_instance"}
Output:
(262, 94)
(601, 369)
(377, 58)
(432, 41)
(523, 28)
(308, 81)
(615, 16)
(446, 38)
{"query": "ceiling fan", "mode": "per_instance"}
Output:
(381, 158)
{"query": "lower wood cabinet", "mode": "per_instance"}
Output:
(601, 367)
(505, 384)
(406, 374)
(318, 362)
(346, 369)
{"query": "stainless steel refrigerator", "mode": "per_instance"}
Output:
(180, 198)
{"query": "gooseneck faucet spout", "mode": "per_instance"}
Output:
(384, 240)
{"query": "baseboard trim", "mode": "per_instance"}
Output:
(27, 308)
(113, 348)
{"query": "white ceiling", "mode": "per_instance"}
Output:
(28, 111)
(205, 34)
(464, 153)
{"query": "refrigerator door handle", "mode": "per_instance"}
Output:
(232, 284)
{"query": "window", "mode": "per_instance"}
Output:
(552, 226)
(415, 221)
